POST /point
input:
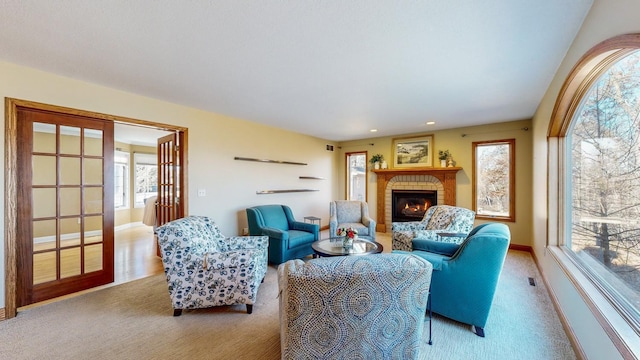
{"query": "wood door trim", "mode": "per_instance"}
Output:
(11, 180)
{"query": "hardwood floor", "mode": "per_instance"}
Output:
(135, 254)
(135, 258)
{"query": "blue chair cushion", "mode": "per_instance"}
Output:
(297, 238)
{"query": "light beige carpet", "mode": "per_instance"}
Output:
(134, 321)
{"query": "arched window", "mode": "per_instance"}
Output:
(594, 138)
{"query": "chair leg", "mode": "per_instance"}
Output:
(478, 330)
(430, 316)
(249, 308)
(177, 312)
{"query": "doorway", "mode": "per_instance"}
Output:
(85, 209)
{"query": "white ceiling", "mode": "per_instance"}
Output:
(329, 68)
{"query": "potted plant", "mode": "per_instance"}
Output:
(443, 155)
(376, 160)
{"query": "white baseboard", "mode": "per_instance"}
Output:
(45, 239)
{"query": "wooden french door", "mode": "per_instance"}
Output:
(170, 178)
(66, 204)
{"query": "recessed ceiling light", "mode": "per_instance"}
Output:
(373, 130)
(431, 122)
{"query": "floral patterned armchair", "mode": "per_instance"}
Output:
(204, 268)
(438, 220)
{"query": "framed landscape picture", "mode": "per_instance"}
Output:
(413, 151)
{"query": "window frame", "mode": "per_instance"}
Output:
(126, 178)
(615, 321)
(141, 159)
(347, 174)
(512, 179)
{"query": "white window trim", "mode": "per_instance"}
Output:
(127, 180)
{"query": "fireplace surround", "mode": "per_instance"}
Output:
(441, 180)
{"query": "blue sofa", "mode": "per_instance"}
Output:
(288, 238)
(465, 276)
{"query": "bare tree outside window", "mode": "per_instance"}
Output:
(605, 179)
(146, 177)
(494, 182)
(356, 176)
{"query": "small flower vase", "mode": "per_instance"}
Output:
(443, 163)
(376, 165)
(347, 243)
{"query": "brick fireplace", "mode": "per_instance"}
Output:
(440, 180)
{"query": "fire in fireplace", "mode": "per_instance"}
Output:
(410, 205)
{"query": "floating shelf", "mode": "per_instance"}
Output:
(263, 192)
(312, 178)
(269, 161)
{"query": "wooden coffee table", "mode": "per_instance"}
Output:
(333, 247)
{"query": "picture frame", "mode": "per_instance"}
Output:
(415, 151)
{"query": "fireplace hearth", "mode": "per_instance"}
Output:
(410, 205)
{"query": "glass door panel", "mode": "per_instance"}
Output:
(92, 229)
(70, 232)
(44, 235)
(69, 171)
(93, 200)
(44, 202)
(70, 262)
(44, 138)
(93, 171)
(69, 140)
(93, 258)
(44, 267)
(44, 170)
(70, 201)
(92, 142)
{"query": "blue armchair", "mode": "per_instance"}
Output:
(288, 238)
(464, 278)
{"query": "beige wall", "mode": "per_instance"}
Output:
(214, 141)
(605, 20)
(460, 148)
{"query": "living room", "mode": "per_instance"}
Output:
(214, 140)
